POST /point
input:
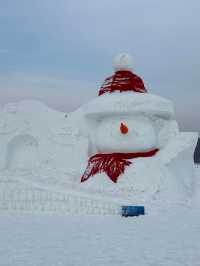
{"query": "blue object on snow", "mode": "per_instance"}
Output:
(132, 211)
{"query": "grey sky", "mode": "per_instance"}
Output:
(60, 51)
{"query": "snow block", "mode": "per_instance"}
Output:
(132, 211)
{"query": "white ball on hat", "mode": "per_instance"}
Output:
(122, 62)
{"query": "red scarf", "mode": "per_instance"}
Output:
(122, 81)
(113, 164)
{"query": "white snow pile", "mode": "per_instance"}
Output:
(44, 153)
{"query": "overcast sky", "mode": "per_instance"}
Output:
(60, 51)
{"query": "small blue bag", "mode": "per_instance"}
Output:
(132, 211)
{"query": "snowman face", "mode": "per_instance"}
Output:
(125, 134)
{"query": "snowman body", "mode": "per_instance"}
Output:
(141, 179)
(145, 180)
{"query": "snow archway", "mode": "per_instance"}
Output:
(22, 152)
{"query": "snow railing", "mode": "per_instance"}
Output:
(41, 200)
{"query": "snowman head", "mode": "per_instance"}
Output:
(125, 134)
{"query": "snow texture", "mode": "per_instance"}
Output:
(164, 236)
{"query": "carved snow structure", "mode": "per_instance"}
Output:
(44, 154)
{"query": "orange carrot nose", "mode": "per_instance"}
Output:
(123, 128)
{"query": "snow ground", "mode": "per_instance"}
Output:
(162, 237)
(165, 236)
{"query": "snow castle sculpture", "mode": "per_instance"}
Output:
(124, 146)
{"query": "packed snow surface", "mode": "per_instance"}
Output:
(163, 237)
(166, 235)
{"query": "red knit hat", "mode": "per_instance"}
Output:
(123, 79)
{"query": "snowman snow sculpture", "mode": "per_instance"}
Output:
(136, 150)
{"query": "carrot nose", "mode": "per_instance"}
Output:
(123, 128)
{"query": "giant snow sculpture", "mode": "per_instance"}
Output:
(122, 147)
(151, 158)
